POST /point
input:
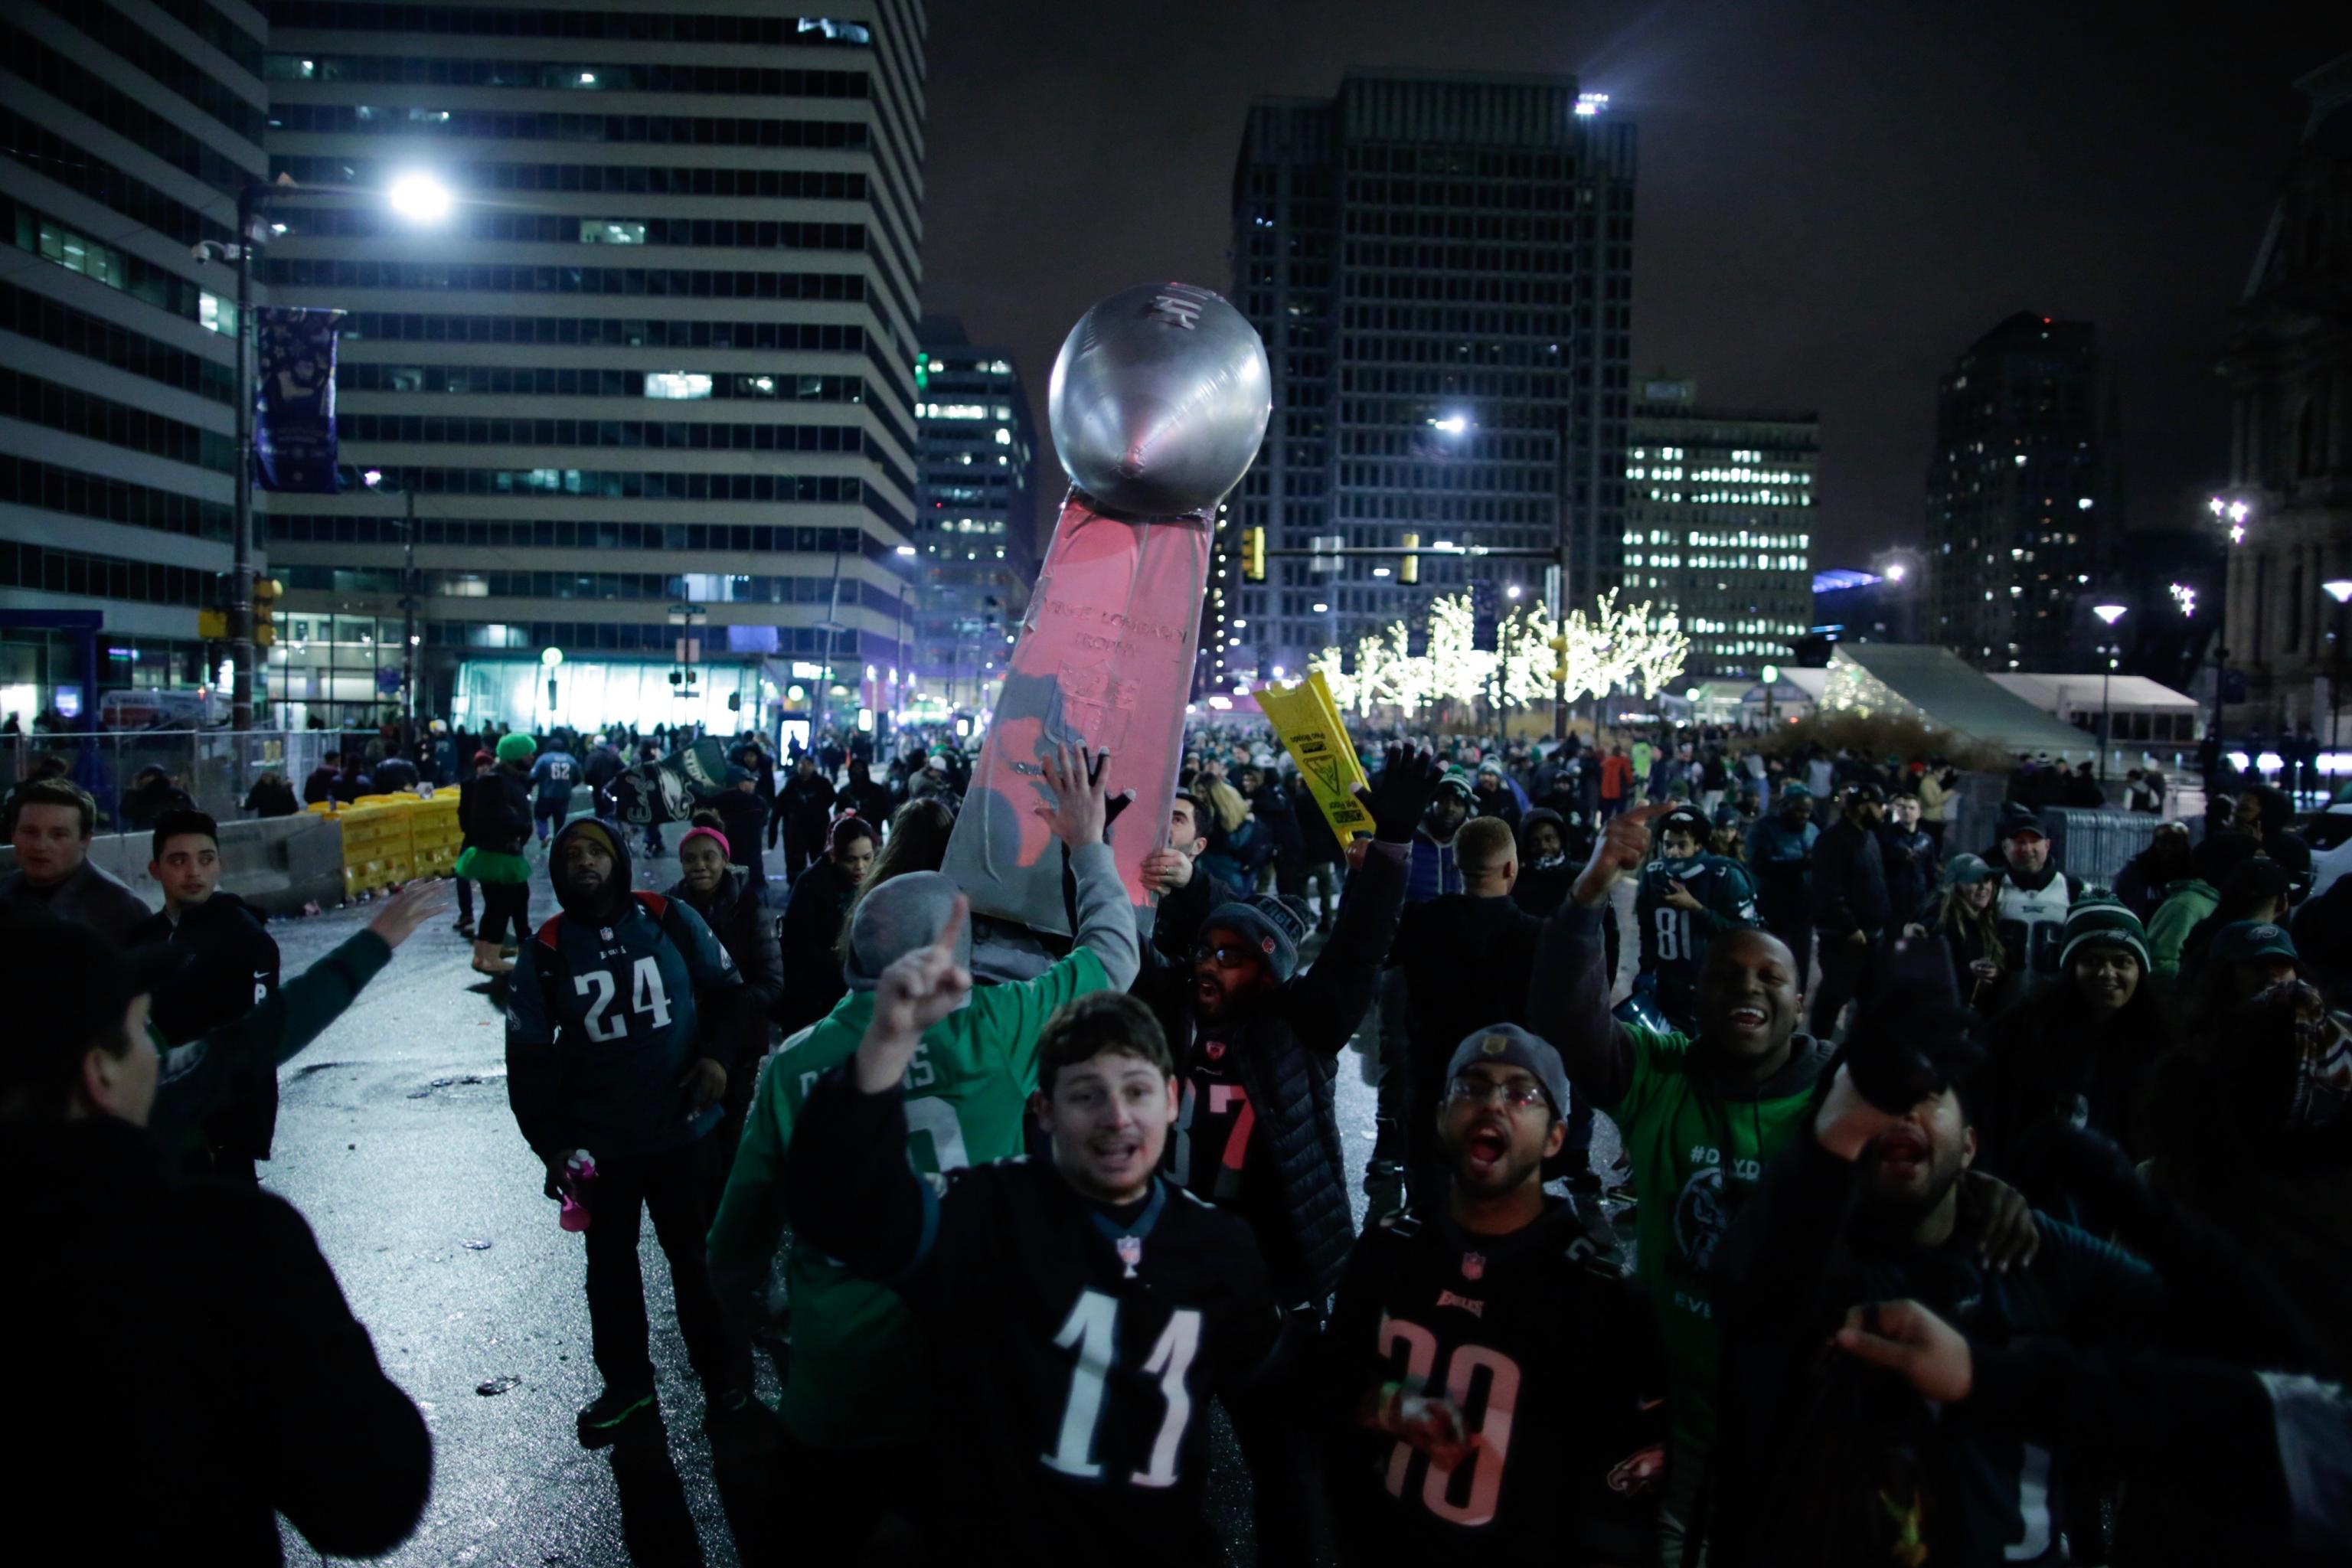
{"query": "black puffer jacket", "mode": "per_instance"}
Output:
(741, 917)
(1286, 1048)
(494, 810)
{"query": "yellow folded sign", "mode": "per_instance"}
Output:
(1307, 720)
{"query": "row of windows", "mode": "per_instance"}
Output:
(692, 131)
(134, 45)
(606, 636)
(76, 252)
(1409, 158)
(638, 484)
(68, 83)
(1483, 385)
(100, 576)
(67, 164)
(592, 331)
(38, 316)
(23, 482)
(650, 27)
(646, 434)
(1537, 335)
(38, 402)
(509, 381)
(742, 81)
(654, 282)
(564, 533)
(620, 179)
(1518, 227)
(706, 588)
(554, 228)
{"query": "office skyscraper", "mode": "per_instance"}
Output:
(123, 140)
(659, 354)
(2018, 498)
(1442, 268)
(976, 512)
(2288, 510)
(1718, 523)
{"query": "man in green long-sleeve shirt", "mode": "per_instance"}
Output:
(855, 1404)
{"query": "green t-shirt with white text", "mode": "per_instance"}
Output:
(1696, 1156)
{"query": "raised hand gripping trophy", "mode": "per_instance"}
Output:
(1159, 403)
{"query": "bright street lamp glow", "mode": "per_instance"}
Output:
(1895, 572)
(906, 550)
(1453, 423)
(2337, 588)
(419, 197)
(550, 656)
(1513, 590)
(1322, 609)
(2110, 614)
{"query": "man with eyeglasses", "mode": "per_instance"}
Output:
(1468, 1406)
(1256, 1043)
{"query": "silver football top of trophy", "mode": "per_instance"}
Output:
(1159, 400)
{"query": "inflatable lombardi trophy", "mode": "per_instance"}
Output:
(1158, 404)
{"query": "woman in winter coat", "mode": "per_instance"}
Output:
(2076, 1050)
(820, 901)
(494, 816)
(1962, 915)
(736, 909)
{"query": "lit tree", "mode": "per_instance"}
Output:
(1613, 647)
(1457, 668)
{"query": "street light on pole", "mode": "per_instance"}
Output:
(415, 195)
(2110, 614)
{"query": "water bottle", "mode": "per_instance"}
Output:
(577, 1171)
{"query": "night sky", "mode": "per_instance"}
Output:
(1834, 199)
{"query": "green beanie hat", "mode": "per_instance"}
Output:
(2102, 921)
(517, 747)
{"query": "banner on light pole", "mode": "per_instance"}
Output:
(294, 399)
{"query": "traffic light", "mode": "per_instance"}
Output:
(1253, 554)
(265, 611)
(1409, 569)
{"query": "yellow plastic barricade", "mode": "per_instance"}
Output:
(1308, 723)
(433, 832)
(378, 850)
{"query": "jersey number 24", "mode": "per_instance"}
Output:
(647, 995)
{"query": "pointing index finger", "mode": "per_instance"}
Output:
(1642, 814)
(958, 912)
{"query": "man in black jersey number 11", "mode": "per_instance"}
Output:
(1492, 1382)
(1081, 1314)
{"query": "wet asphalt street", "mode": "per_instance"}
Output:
(395, 1141)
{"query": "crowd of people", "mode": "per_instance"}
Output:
(1967, 1209)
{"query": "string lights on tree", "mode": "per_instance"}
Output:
(1614, 647)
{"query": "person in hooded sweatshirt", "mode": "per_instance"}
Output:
(229, 966)
(620, 1025)
(1700, 1114)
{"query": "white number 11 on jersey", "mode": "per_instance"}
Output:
(1092, 1329)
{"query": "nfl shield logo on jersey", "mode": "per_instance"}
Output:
(1474, 1266)
(1130, 1252)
